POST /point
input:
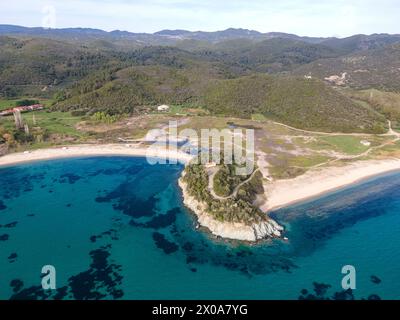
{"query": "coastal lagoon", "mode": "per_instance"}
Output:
(116, 228)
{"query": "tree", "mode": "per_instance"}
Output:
(26, 102)
(60, 96)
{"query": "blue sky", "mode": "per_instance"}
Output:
(304, 17)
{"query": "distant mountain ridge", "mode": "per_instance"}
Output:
(170, 37)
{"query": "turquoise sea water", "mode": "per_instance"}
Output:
(115, 228)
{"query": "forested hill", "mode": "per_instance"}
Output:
(237, 72)
(375, 68)
(299, 102)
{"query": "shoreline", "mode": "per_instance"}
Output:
(323, 181)
(89, 150)
(233, 231)
(280, 193)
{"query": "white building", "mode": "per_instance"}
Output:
(337, 80)
(365, 143)
(163, 107)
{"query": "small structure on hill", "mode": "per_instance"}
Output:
(337, 80)
(365, 143)
(163, 107)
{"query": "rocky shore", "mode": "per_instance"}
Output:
(229, 230)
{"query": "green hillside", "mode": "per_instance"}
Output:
(378, 68)
(226, 78)
(34, 66)
(302, 103)
(134, 89)
(273, 55)
(387, 103)
(361, 42)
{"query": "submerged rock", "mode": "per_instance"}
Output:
(375, 279)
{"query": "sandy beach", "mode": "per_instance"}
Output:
(94, 150)
(317, 182)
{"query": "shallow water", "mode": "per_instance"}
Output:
(115, 227)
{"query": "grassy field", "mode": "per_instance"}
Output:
(345, 144)
(308, 161)
(61, 123)
(387, 103)
(127, 127)
(290, 152)
(390, 150)
(282, 172)
(258, 117)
